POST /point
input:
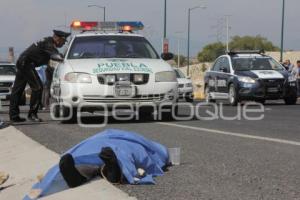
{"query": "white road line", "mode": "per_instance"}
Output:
(233, 134)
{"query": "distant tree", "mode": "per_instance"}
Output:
(211, 51)
(252, 43)
(182, 60)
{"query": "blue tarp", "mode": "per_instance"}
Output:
(132, 151)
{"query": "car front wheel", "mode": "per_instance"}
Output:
(233, 96)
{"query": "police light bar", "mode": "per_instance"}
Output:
(128, 26)
(233, 52)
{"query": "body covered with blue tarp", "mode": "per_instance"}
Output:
(132, 151)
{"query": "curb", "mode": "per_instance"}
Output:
(25, 159)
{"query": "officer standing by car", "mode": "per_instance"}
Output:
(36, 55)
(296, 74)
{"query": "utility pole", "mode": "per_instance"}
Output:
(282, 30)
(101, 7)
(165, 41)
(165, 20)
(227, 32)
(218, 29)
(188, 43)
(178, 48)
(178, 53)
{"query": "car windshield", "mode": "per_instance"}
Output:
(7, 70)
(255, 63)
(111, 47)
(179, 74)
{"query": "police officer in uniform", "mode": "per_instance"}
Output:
(36, 55)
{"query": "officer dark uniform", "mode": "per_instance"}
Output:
(36, 55)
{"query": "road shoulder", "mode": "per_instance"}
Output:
(25, 159)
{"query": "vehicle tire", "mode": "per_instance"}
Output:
(290, 100)
(65, 112)
(233, 96)
(261, 101)
(189, 99)
(145, 114)
(208, 98)
(56, 111)
(23, 100)
(168, 116)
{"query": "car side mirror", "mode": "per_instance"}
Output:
(57, 58)
(167, 56)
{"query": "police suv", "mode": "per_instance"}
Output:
(249, 75)
(106, 66)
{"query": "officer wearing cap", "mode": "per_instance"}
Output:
(36, 55)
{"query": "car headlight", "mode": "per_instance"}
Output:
(77, 77)
(189, 85)
(138, 78)
(168, 76)
(246, 79)
(110, 79)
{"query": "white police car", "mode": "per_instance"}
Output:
(249, 75)
(185, 86)
(107, 66)
(7, 78)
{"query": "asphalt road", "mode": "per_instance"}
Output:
(220, 159)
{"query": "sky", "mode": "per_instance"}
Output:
(26, 21)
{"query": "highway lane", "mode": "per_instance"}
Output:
(214, 166)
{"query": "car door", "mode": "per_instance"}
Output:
(212, 76)
(224, 74)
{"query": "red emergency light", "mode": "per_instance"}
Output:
(84, 25)
(106, 26)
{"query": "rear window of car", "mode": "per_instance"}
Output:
(255, 63)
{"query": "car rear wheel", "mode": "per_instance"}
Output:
(233, 96)
(189, 97)
(290, 100)
(261, 101)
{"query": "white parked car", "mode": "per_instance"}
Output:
(7, 78)
(185, 86)
(106, 65)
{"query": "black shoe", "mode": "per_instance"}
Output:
(34, 118)
(70, 173)
(17, 119)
